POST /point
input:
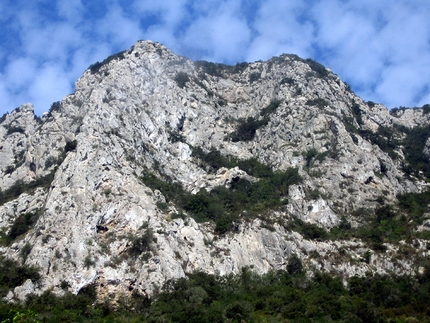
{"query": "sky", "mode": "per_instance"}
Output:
(380, 48)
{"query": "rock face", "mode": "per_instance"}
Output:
(146, 110)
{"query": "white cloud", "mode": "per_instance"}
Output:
(116, 28)
(71, 10)
(220, 34)
(50, 83)
(382, 49)
(280, 29)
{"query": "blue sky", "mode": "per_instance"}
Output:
(381, 48)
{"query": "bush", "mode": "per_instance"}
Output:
(21, 225)
(320, 103)
(318, 68)
(142, 244)
(224, 205)
(181, 79)
(71, 146)
(12, 274)
(254, 77)
(95, 68)
(247, 128)
(15, 129)
(56, 106)
(270, 108)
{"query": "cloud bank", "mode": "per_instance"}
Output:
(381, 48)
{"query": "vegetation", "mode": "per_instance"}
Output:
(15, 129)
(320, 70)
(214, 160)
(13, 274)
(141, 244)
(56, 106)
(95, 68)
(255, 76)
(387, 223)
(224, 205)
(247, 128)
(19, 187)
(279, 296)
(216, 69)
(181, 79)
(21, 225)
(413, 146)
(320, 103)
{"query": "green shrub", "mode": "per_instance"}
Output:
(25, 251)
(12, 274)
(95, 68)
(274, 104)
(246, 129)
(287, 80)
(181, 79)
(294, 265)
(21, 225)
(141, 244)
(56, 106)
(318, 68)
(71, 146)
(309, 231)
(15, 129)
(3, 117)
(255, 76)
(320, 103)
(224, 205)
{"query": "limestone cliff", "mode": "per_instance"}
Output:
(74, 176)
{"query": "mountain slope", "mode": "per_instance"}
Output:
(157, 166)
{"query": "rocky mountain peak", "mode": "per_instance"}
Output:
(157, 166)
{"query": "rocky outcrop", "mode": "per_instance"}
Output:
(146, 110)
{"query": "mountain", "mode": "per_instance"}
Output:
(158, 166)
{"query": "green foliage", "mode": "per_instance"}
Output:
(15, 129)
(19, 187)
(255, 76)
(309, 231)
(274, 297)
(413, 146)
(218, 70)
(287, 80)
(56, 106)
(246, 129)
(175, 136)
(141, 244)
(89, 262)
(95, 68)
(426, 108)
(71, 146)
(224, 205)
(356, 111)
(312, 155)
(181, 79)
(25, 251)
(387, 223)
(21, 225)
(13, 274)
(294, 265)
(210, 68)
(319, 69)
(320, 103)
(3, 117)
(214, 161)
(270, 108)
